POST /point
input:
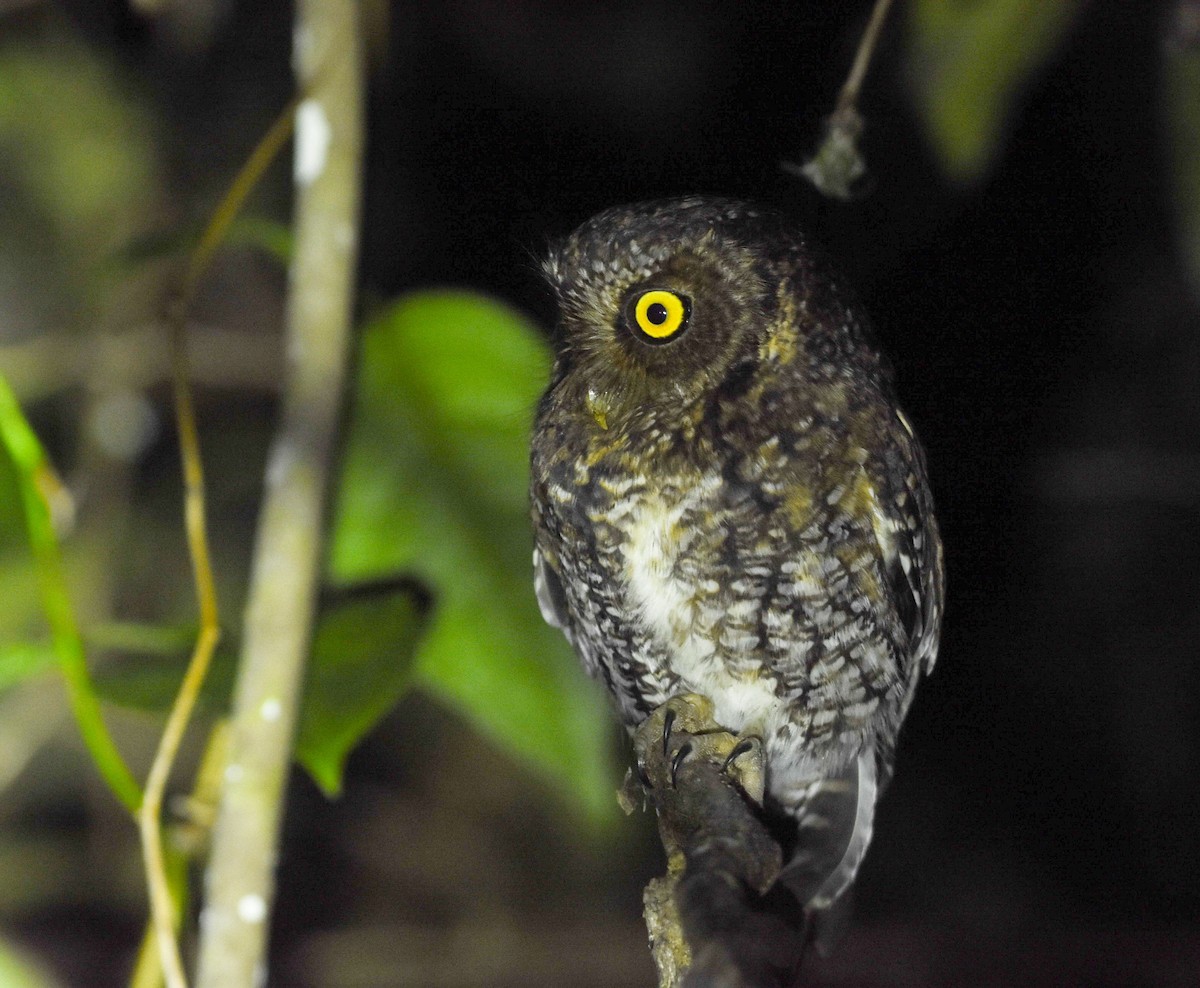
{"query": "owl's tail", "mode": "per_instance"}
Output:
(835, 817)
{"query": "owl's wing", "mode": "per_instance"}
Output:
(549, 590)
(836, 815)
(913, 557)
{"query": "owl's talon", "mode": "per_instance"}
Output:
(677, 730)
(741, 748)
(685, 749)
(744, 765)
(668, 723)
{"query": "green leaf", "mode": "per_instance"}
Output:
(1181, 99)
(270, 236)
(267, 235)
(29, 459)
(970, 62)
(434, 485)
(12, 518)
(361, 664)
(21, 614)
(145, 673)
(17, 971)
(24, 660)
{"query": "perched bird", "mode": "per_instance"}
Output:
(728, 501)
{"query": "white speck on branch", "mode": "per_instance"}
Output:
(313, 135)
(279, 614)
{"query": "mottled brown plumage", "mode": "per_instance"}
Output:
(737, 507)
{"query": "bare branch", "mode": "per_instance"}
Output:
(240, 881)
(838, 168)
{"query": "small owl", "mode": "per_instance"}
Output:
(728, 500)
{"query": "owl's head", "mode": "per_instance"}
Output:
(659, 301)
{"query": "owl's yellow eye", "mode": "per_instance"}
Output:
(659, 315)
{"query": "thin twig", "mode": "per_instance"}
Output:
(838, 169)
(148, 971)
(187, 838)
(39, 484)
(848, 97)
(162, 907)
(279, 614)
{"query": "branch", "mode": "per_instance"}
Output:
(838, 168)
(717, 917)
(240, 879)
(218, 357)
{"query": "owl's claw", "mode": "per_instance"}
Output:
(683, 729)
(744, 746)
(668, 722)
(685, 749)
(745, 764)
(666, 738)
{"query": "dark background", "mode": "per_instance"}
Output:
(1043, 824)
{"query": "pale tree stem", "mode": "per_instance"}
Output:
(848, 97)
(279, 614)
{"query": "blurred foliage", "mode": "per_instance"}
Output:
(24, 660)
(360, 666)
(434, 488)
(11, 515)
(270, 236)
(1181, 109)
(145, 675)
(20, 617)
(74, 145)
(17, 972)
(71, 133)
(969, 63)
(40, 489)
(434, 485)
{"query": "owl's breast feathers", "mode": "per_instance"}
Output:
(768, 545)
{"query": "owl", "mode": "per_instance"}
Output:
(728, 500)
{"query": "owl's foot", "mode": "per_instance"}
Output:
(683, 731)
(746, 765)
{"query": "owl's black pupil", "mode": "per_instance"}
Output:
(656, 312)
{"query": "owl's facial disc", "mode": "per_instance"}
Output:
(657, 316)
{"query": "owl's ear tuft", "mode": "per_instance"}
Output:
(552, 265)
